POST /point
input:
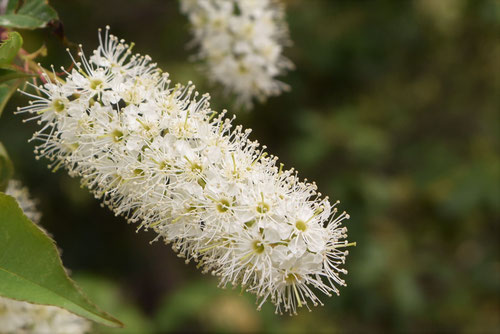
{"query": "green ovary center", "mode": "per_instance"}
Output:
(117, 136)
(95, 84)
(258, 247)
(223, 205)
(301, 226)
(292, 278)
(262, 208)
(196, 168)
(58, 105)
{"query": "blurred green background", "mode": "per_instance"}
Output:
(394, 110)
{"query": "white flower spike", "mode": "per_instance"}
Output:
(157, 154)
(241, 43)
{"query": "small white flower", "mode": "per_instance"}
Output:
(241, 42)
(160, 156)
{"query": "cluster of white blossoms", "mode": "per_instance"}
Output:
(241, 42)
(157, 154)
(19, 317)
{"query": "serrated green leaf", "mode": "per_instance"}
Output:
(31, 270)
(31, 14)
(9, 48)
(6, 168)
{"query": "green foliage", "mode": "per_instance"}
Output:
(8, 51)
(6, 168)
(200, 304)
(106, 294)
(8, 89)
(9, 48)
(180, 307)
(31, 270)
(7, 75)
(28, 14)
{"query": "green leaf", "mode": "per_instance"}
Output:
(9, 48)
(31, 270)
(31, 14)
(7, 75)
(6, 168)
(12, 5)
(6, 91)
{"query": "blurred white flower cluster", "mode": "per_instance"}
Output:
(18, 317)
(158, 154)
(22, 196)
(241, 42)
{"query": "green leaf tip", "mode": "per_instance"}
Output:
(31, 269)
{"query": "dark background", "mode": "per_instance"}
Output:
(394, 110)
